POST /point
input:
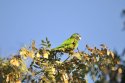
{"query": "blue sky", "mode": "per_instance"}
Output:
(22, 21)
(97, 21)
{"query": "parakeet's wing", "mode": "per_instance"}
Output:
(68, 41)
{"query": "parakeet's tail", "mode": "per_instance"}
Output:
(58, 49)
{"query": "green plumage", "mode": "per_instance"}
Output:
(70, 44)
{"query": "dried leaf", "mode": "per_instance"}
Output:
(46, 54)
(7, 79)
(112, 54)
(33, 46)
(90, 49)
(44, 64)
(25, 53)
(23, 66)
(58, 62)
(45, 79)
(86, 57)
(38, 54)
(120, 70)
(65, 77)
(14, 62)
(77, 55)
(31, 54)
(114, 68)
(108, 52)
(18, 81)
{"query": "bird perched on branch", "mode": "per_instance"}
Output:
(69, 45)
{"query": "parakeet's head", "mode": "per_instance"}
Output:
(76, 36)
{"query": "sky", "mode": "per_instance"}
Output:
(97, 21)
(22, 21)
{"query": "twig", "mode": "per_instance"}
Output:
(66, 59)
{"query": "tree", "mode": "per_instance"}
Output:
(47, 66)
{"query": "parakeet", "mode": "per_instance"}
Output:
(70, 44)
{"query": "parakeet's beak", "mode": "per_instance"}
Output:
(80, 38)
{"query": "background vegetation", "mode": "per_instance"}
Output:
(42, 65)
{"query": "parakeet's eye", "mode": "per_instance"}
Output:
(79, 37)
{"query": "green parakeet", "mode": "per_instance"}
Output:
(69, 45)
